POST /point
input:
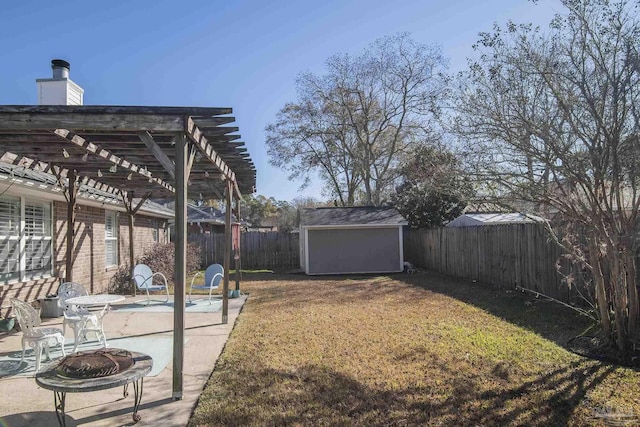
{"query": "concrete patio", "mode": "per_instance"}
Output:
(24, 403)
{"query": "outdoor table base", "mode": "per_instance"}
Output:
(51, 379)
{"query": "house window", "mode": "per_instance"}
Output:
(25, 239)
(111, 238)
(156, 230)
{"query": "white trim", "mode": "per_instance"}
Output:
(306, 250)
(355, 272)
(401, 248)
(311, 227)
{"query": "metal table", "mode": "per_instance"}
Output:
(101, 300)
(98, 299)
(51, 379)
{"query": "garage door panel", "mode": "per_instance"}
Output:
(353, 250)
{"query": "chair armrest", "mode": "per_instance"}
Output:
(193, 279)
(213, 279)
(161, 275)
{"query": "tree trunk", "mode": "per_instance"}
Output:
(632, 291)
(619, 305)
(601, 295)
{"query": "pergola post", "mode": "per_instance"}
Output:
(71, 195)
(131, 212)
(182, 178)
(130, 215)
(238, 252)
(227, 252)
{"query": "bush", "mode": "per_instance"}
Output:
(120, 283)
(160, 258)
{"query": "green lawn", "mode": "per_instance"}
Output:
(403, 351)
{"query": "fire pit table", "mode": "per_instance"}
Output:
(94, 370)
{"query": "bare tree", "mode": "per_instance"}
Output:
(355, 123)
(552, 123)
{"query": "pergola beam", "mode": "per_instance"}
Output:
(109, 157)
(100, 122)
(162, 158)
(201, 141)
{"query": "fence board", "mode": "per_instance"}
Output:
(271, 250)
(504, 255)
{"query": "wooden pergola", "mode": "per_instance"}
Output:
(136, 153)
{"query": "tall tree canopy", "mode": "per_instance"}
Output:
(433, 189)
(553, 121)
(354, 125)
(259, 210)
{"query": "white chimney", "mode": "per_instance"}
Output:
(59, 90)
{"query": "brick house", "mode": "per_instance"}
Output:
(33, 227)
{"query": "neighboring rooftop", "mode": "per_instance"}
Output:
(362, 215)
(475, 219)
(205, 214)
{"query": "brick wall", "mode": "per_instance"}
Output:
(89, 253)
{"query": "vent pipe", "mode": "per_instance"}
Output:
(60, 69)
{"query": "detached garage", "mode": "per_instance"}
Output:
(351, 240)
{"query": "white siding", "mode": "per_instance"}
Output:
(59, 92)
(53, 92)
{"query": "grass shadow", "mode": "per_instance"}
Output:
(317, 395)
(548, 319)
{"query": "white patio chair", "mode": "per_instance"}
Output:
(37, 337)
(212, 277)
(144, 279)
(79, 318)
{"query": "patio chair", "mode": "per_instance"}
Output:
(37, 337)
(79, 318)
(212, 277)
(144, 279)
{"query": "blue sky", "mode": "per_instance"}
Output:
(239, 54)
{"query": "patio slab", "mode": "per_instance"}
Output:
(24, 403)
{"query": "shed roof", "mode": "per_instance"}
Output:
(471, 219)
(362, 215)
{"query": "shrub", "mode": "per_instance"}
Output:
(120, 283)
(160, 258)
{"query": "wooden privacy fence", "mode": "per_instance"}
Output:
(504, 255)
(271, 250)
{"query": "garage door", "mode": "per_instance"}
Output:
(362, 250)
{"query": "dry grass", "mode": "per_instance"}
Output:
(405, 350)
